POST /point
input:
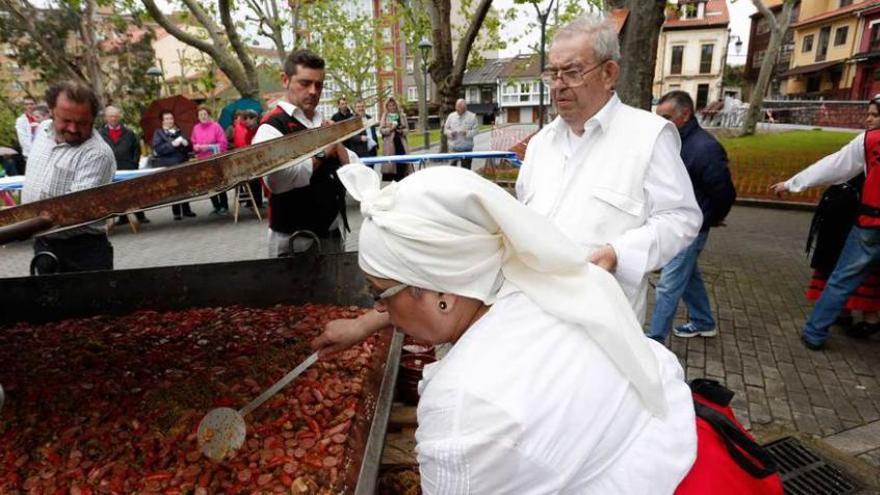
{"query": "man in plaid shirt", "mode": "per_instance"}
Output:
(67, 156)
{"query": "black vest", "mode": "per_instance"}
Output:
(313, 207)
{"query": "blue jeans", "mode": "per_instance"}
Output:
(860, 253)
(681, 279)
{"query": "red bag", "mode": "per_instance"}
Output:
(729, 461)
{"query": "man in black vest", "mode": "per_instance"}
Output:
(306, 195)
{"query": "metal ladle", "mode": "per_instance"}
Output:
(222, 430)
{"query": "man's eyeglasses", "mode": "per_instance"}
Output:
(389, 292)
(571, 78)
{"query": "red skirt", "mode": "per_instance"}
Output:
(865, 298)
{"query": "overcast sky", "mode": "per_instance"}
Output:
(740, 10)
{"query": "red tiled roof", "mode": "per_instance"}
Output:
(849, 9)
(716, 15)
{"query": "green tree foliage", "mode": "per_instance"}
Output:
(52, 43)
(350, 42)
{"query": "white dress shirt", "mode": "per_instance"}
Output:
(835, 168)
(25, 131)
(56, 168)
(295, 175)
(525, 403)
(555, 173)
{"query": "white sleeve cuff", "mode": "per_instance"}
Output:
(631, 263)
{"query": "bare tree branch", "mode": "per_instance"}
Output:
(237, 44)
(206, 20)
(175, 31)
(466, 43)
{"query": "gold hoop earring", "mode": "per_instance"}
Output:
(443, 305)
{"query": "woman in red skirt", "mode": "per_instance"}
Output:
(834, 217)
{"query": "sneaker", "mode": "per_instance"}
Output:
(189, 214)
(143, 220)
(690, 330)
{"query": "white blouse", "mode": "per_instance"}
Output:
(835, 168)
(525, 403)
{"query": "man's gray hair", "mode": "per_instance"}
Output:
(601, 31)
(681, 99)
(111, 109)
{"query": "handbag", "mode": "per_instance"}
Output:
(729, 461)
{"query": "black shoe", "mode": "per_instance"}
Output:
(811, 346)
(189, 214)
(123, 220)
(844, 321)
(143, 218)
(178, 217)
(862, 330)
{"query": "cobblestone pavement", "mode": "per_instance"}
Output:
(756, 273)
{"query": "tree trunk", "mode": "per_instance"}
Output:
(235, 68)
(91, 51)
(448, 71)
(638, 49)
(419, 74)
(777, 35)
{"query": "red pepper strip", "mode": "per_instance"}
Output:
(313, 425)
(278, 461)
(158, 476)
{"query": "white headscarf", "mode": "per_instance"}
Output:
(447, 229)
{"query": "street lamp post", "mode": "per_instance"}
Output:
(542, 17)
(156, 74)
(425, 49)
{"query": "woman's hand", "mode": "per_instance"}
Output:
(779, 188)
(339, 335)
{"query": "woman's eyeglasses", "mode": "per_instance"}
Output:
(389, 292)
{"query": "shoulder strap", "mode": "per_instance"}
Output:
(744, 451)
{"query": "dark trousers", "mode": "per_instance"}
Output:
(257, 191)
(220, 201)
(463, 163)
(84, 252)
(179, 208)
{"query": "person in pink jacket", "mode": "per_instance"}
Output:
(208, 138)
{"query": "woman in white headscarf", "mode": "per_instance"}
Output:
(550, 387)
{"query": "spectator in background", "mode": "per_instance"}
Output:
(367, 142)
(26, 126)
(68, 156)
(706, 163)
(171, 147)
(460, 129)
(126, 148)
(242, 133)
(343, 110)
(208, 138)
(394, 126)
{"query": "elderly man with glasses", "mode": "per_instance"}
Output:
(607, 174)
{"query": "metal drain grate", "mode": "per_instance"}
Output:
(804, 472)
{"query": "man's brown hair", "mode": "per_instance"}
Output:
(306, 58)
(76, 92)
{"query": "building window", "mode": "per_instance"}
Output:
(758, 58)
(706, 58)
(808, 44)
(840, 35)
(473, 94)
(412, 93)
(677, 57)
(875, 37)
(822, 45)
(702, 96)
(516, 93)
(410, 64)
(845, 3)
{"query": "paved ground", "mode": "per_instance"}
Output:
(756, 272)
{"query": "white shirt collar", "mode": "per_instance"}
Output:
(601, 119)
(297, 113)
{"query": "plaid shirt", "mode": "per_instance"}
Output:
(55, 169)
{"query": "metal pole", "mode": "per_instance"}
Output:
(542, 16)
(425, 94)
